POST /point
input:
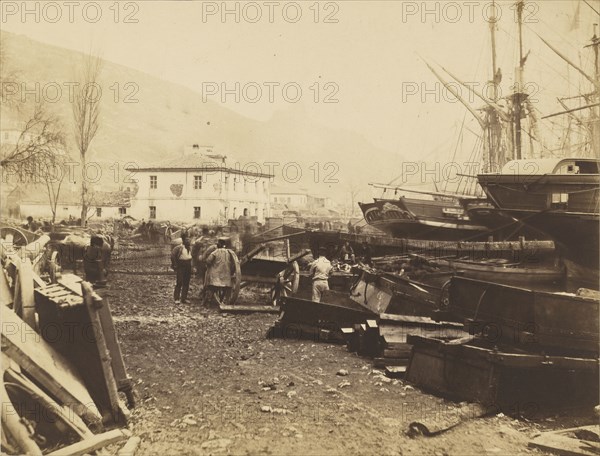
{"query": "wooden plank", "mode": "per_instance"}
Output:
(124, 383)
(388, 319)
(130, 447)
(93, 443)
(6, 296)
(382, 363)
(249, 308)
(565, 442)
(59, 294)
(25, 301)
(50, 369)
(92, 301)
(394, 371)
(64, 412)
(72, 282)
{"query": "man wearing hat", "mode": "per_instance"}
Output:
(320, 270)
(220, 271)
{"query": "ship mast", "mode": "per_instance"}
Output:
(494, 156)
(518, 96)
(595, 111)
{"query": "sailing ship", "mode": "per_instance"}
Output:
(459, 216)
(559, 196)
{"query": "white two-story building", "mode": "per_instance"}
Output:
(199, 186)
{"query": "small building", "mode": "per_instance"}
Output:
(300, 201)
(290, 198)
(199, 186)
(32, 200)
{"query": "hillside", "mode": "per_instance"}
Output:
(168, 116)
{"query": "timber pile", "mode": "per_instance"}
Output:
(527, 350)
(386, 338)
(62, 368)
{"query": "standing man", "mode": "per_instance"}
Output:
(181, 262)
(96, 260)
(221, 270)
(320, 270)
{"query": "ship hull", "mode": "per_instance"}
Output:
(422, 219)
(563, 206)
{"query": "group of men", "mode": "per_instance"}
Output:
(217, 265)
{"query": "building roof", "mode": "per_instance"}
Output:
(37, 194)
(196, 161)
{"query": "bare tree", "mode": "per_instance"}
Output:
(86, 112)
(52, 174)
(42, 135)
(353, 192)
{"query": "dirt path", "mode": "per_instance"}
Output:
(213, 384)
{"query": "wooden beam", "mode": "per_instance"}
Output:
(46, 366)
(93, 443)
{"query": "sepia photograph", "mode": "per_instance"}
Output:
(312, 227)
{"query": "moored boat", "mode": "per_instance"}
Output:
(557, 196)
(436, 219)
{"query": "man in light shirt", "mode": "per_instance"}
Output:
(320, 270)
(181, 262)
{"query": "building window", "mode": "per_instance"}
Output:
(256, 212)
(256, 187)
(245, 212)
(197, 212)
(264, 185)
(227, 181)
(234, 212)
(235, 183)
(197, 182)
(153, 181)
(226, 212)
(98, 212)
(122, 211)
(152, 212)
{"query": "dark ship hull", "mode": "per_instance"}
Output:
(422, 219)
(565, 206)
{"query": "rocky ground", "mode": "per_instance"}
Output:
(211, 383)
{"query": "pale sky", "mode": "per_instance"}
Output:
(365, 54)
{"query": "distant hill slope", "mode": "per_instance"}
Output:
(168, 116)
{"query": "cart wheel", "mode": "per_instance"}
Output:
(287, 283)
(19, 237)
